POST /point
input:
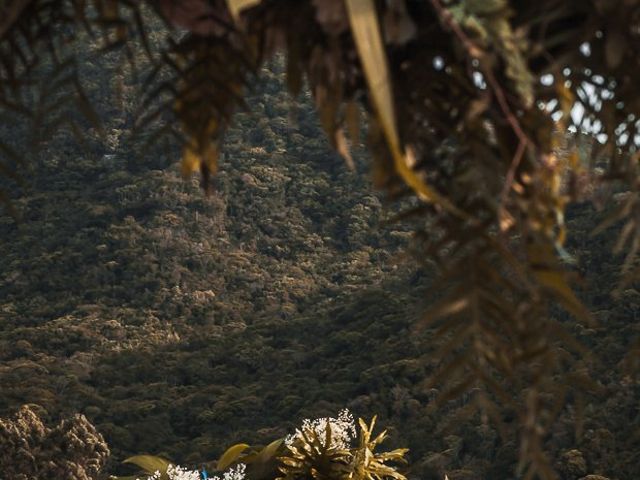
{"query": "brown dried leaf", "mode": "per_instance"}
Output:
(343, 148)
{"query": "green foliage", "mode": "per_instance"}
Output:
(185, 370)
(369, 465)
(472, 144)
(156, 374)
(311, 453)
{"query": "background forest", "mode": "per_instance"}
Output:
(470, 305)
(180, 323)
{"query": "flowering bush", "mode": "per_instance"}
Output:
(343, 430)
(320, 449)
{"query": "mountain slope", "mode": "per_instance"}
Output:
(179, 323)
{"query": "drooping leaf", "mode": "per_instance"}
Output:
(366, 33)
(552, 277)
(236, 6)
(231, 455)
(150, 464)
(270, 451)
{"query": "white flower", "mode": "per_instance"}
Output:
(155, 476)
(179, 473)
(176, 472)
(231, 474)
(343, 430)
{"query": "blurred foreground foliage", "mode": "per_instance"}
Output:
(467, 105)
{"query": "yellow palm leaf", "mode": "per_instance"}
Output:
(366, 33)
(236, 6)
(231, 455)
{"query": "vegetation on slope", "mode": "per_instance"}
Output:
(180, 324)
(166, 316)
(493, 79)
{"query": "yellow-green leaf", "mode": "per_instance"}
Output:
(231, 455)
(150, 463)
(269, 451)
(567, 99)
(236, 6)
(190, 161)
(366, 33)
(555, 281)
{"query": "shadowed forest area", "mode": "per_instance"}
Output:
(421, 272)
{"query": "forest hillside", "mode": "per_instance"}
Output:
(179, 323)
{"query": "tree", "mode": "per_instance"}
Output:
(467, 105)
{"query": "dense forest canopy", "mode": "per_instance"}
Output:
(467, 105)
